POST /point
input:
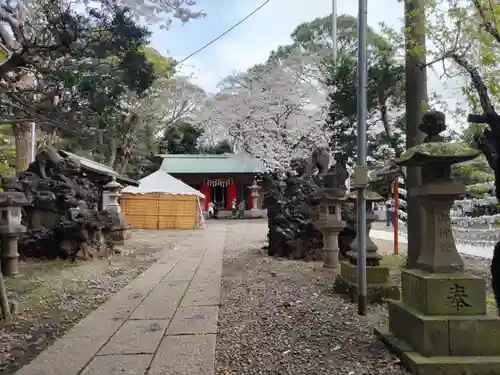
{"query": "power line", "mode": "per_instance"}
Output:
(224, 33)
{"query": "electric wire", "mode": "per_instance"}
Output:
(225, 32)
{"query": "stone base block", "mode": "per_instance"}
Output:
(472, 335)
(376, 293)
(443, 294)
(127, 234)
(374, 275)
(438, 365)
(255, 213)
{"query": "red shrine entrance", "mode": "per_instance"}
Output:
(222, 191)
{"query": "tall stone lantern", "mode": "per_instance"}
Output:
(11, 228)
(254, 192)
(329, 221)
(372, 257)
(377, 276)
(112, 190)
(441, 325)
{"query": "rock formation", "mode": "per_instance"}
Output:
(63, 217)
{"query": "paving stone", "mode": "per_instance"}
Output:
(194, 319)
(206, 284)
(185, 355)
(96, 324)
(203, 282)
(136, 337)
(118, 307)
(66, 357)
(202, 296)
(140, 287)
(157, 271)
(136, 364)
(188, 264)
(162, 302)
(214, 266)
(203, 276)
(196, 253)
(178, 274)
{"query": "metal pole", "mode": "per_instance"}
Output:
(334, 30)
(33, 142)
(396, 215)
(361, 162)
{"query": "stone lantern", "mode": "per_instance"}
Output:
(11, 228)
(441, 324)
(254, 192)
(377, 276)
(372, 257)
(329, 222)
(112, 190)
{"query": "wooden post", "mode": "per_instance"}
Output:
(396, 216)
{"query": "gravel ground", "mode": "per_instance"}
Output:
(53, 296)
(280, 317)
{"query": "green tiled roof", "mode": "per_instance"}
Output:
(205, 164)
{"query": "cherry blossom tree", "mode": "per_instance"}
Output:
(269, 113)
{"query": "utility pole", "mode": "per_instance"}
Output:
(361, 171)
(416, 103)
(334, 31)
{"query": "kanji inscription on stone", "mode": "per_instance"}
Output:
(445, 247)
(443, 217)
(444, 233)
(458, 297)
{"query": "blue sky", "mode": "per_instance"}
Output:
(252, 41)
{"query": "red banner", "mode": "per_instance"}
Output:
(205, 190)
(231, 194)
(250, 200)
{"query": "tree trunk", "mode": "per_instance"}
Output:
(22, 135)
(124, 163)
(416, 97)
(112, 153)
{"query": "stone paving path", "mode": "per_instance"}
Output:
(163, 323)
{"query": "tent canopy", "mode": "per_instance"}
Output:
(161, 182)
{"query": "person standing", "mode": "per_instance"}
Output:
(241, 210)
(389, 206)
(211, 210)
(234, 209)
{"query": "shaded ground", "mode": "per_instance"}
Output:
(281, 317)
(53, 295)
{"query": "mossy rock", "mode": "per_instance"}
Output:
(437, 152)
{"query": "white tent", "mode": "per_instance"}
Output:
(162, 202)
(161, 182)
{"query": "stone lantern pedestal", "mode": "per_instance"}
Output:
(254, 191)
(11, 228)
(330, 223)
(440, 326)
(119, 232)
(379, 286)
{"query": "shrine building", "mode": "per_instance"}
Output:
(221, 178)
